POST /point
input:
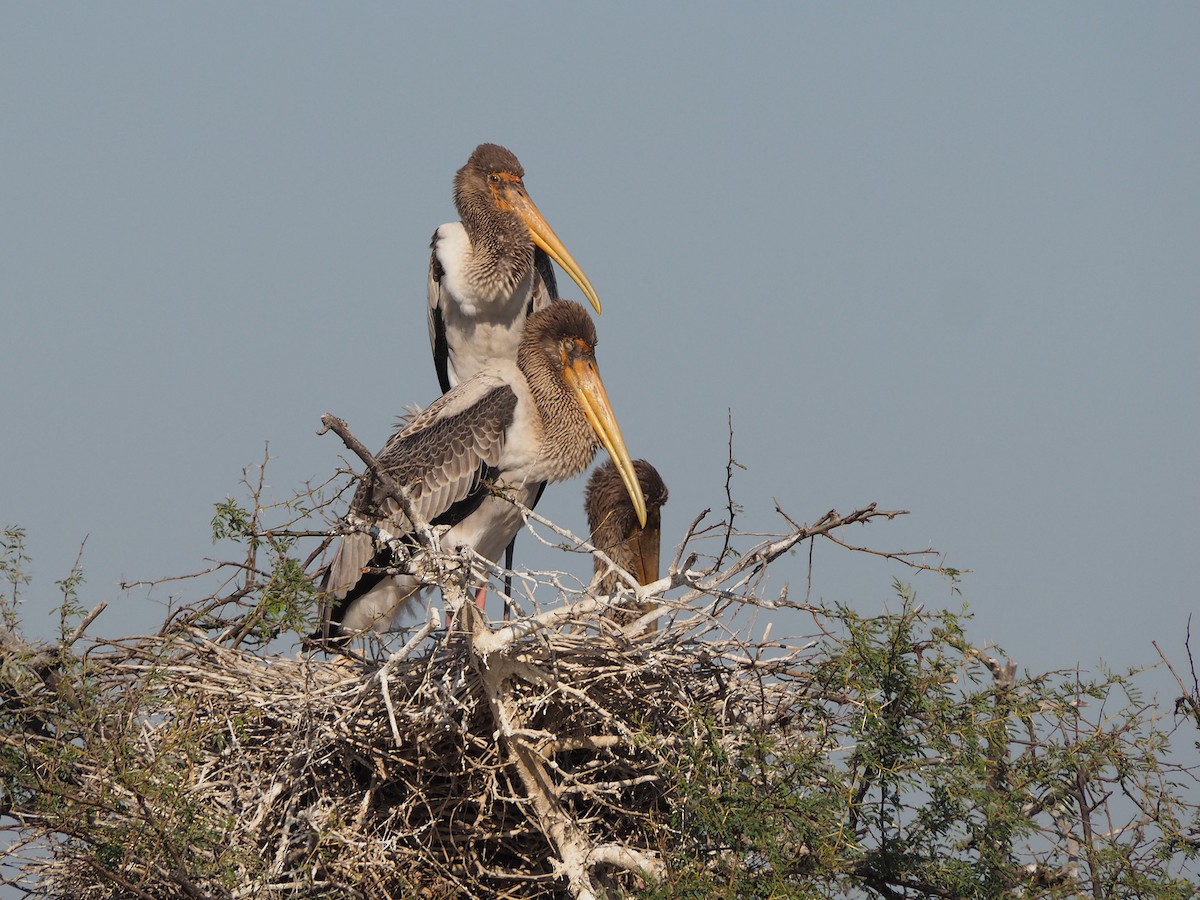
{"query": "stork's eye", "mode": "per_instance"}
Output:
(568, 347)
(494, 178)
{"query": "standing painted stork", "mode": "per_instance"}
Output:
(504, 431)
(627, 538)
(488, 272)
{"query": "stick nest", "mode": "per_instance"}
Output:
(437, 773)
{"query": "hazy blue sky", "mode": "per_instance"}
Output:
(945, 257)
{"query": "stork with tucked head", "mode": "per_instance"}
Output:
(630, 540)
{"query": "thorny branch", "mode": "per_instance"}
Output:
(1188, 700)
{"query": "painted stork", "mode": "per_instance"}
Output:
(628, 539)
(501, 433)
(488, 272)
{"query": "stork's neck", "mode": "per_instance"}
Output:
(501, 255)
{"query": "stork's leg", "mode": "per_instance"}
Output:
(508, 561)
(481, 597)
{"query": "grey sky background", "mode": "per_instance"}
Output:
(944, 257)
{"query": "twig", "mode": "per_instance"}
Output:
(392, 487)
(1188, 699)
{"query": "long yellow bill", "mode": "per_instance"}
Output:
(543, 235)
(583, 378)
(645, 557)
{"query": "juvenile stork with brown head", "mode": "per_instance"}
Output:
(490, 270)
(631, 541)
(496, 436)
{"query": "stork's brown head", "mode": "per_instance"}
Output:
(613, 521)
(560, 340)
(493, 178)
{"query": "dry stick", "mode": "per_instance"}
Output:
(1187, 699)
(901, 556)
(252, 549)
(87, 620)
(1086, 808)
(1004, 674)
(386, 481)
(768, 551)
(394, 660)
(155, 582)
(678, 563)
(729, 505)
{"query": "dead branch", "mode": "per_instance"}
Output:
(387, 482)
